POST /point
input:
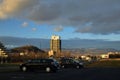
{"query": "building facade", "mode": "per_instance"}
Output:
(55, 45)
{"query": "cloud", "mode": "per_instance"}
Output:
(34, 29)
(58, 28)
(10, 8)
(24, 24)
(86, 16)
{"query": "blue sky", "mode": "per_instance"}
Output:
(70, 19)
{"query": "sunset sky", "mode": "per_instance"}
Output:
(70, 19)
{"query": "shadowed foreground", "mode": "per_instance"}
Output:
(65, 74)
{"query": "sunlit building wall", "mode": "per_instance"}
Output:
(55, 45)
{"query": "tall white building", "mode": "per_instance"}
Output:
(55, 45)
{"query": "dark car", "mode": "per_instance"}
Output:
(48, 65)
(70, 63)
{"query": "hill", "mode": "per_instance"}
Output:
(27, 49)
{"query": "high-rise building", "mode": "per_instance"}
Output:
(55, 45)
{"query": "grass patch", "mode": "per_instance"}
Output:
(9, 64)
(9, 67)
(105, 63)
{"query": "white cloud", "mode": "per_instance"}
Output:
(58, 28)
(25, 24)
(34, 29)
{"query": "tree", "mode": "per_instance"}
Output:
(3, 55)
(2, 46)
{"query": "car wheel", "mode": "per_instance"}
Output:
(77, 67)
(48, 69)
(24, 68)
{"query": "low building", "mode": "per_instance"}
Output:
(105, 56)
(50, 53)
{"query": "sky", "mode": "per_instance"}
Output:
(70, 19)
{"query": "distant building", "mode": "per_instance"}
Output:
(50, 53)
(55, 45)
(104, 56)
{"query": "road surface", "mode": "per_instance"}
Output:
(65, 74)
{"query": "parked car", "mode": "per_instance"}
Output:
(70, 63)
(48, 65)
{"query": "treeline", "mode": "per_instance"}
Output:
(16, 57)
(114, 55)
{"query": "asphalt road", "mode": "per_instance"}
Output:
(65, 74)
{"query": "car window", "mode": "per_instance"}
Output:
(33, 61)
(44, 61)
(71, 61)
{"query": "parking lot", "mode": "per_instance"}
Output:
(64, 74)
